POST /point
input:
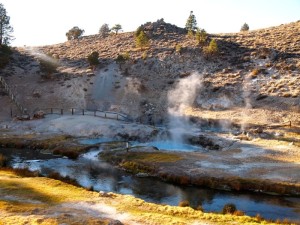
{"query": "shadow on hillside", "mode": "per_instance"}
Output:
(21, 192)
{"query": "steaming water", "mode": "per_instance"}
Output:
(179, 99)
(89, 171)
(170, 145)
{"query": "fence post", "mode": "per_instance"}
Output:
(105, 114)
(51, 111)
(83, 112)
(11, 112)
(72, 111)
(61, 111)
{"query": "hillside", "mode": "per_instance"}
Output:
(257, 70)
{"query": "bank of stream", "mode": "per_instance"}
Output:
(90, 171)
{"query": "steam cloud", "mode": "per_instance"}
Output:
(180, 98)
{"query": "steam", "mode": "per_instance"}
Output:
(247, 100)
(40, 55)
(179, 99)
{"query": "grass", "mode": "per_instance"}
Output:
(61, 145)
(40, 200)
(160, 157)
(139, 162)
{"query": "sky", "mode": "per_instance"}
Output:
(45, 22)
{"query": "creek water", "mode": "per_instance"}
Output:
(89, 171)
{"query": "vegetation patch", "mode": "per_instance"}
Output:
(40, 196)
(62, 145)
(153, 157)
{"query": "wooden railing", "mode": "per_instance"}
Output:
(12, 96)
(76, 111)
(60, 111)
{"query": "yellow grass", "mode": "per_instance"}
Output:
(155, 157)
(39, 200)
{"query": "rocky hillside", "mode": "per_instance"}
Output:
(257, 70)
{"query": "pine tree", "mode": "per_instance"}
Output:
(104, 30)
(142, 40)
(5, 27)
(191, 23)
(245, 27)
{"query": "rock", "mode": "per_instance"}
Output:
(205, 142)
(107, 195)
(39, 115)
(23, 117)
(115, 222)
(142, 175)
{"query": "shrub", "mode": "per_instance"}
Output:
(201, 36)
(144, 55)
(3, 161)
(212, 48)
(229, 208)
(190, 34)
(121, 58)
(245, 27)
(74, 33)
(93, 59)
(184, 203)
(48, 65)
(178, 48)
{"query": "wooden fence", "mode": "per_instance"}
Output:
(97, 113)
(12, 96)
(60, 111)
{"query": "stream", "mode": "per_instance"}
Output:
(90, 171)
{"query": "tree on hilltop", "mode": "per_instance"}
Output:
(5, 27)
(74, 33)
(116, 28)
(245, 27)
(191, 23)
(104, 30)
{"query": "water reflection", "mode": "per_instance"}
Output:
(89, 171)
